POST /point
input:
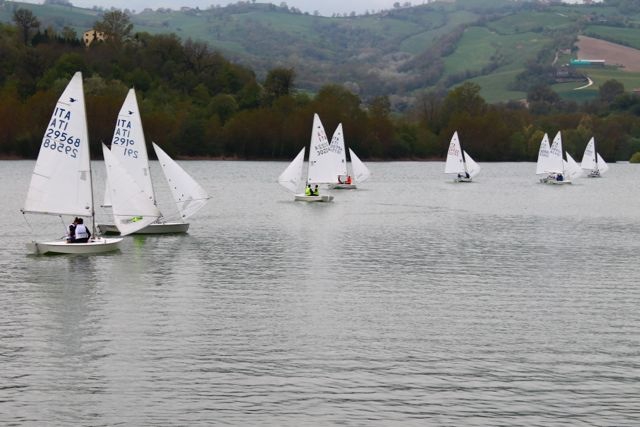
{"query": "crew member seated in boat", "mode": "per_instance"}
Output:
(307, 190)
(559, 177)
(71, 235)
(466, 175)
(348, 181)
(340, 179)
(82, 232)
(316, 191)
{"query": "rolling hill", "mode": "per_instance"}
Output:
(396, 53)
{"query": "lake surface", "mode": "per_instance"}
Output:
(411, 301)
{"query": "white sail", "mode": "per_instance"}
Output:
(602, 165)
(338, 150)
(292, 175)
(61, 180)
(321, 168)
(189, 196)
(455, 161)
(589, 156)
(132, 210)
(572, 169)
(129, 146)
(543, 155)
(556, 162)
(472, 167)
(360, 172)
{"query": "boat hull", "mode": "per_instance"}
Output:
(160, 228)
(462, 180)
(552, 181)
(343, 186)
(594, 174)
(303, 198)
(95, 246)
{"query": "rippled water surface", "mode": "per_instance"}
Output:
(410, 301)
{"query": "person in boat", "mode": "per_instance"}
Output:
(82, 233)
(308, 191)
(340, 179)
(71, 234)
(348, 180)
(559, 177)
(316, 191)
(466, 175)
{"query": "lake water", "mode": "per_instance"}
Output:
(411, 301)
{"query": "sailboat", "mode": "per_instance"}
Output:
(132, 210)
(61, 183)
(592, 162)
(129, 147)
(320, 168)
(360, 172)
(459, 162)
(550, 161)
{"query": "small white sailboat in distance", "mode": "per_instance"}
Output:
(551, 163)
(592, 162)
(320, 167)
(62, 183)
(460, 162)
(359, 172)
(128, 146)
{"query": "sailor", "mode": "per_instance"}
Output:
(307, 190)
(82, 233)
(316, 191)
(348, 181)
(71, 235)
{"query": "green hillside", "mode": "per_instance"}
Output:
(400, 52)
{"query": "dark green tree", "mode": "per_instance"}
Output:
(279, 82)
(116, 25)
(26, 21)
(610, 90)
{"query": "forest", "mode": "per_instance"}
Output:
(198, 104)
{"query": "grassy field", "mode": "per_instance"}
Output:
(261, 35)
(628, 36)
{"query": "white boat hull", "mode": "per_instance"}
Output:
(343, 186)
(594, 174)
(552, 181)
(94, 246)
(159, 228)
(463, 180)
(304, 198)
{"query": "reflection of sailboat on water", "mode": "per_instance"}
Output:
(459, 162)
(61, 183)
(129, 148)
(321, 170)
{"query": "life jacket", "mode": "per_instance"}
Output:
(82, 232)
(348, 181)
(307, 191)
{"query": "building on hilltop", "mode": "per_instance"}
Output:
(93, 35)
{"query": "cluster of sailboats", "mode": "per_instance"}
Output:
(327, 166)
(555, 170)
(62, 180)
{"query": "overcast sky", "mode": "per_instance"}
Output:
(325, 7)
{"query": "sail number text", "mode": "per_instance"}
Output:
(122, 138)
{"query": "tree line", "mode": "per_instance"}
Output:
(197, 104)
